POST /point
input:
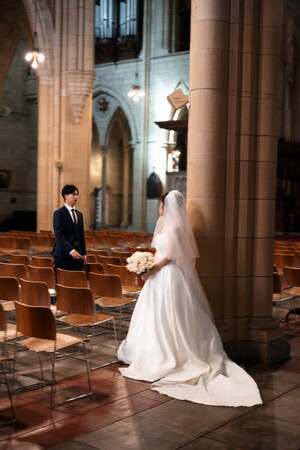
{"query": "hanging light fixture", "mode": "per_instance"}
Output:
(136, 93)
(35, 56)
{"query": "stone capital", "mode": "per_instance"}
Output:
(80, 84)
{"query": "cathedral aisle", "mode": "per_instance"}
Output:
(126, 414)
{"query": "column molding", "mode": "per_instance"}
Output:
(231, 170)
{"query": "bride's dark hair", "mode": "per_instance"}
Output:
(162, 199)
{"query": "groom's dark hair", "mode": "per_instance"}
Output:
(68, 189)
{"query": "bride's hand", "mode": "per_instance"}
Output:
(145, 276)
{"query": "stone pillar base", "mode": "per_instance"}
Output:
(262, 341)
(254, 352)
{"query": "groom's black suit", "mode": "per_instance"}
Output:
(69, 236)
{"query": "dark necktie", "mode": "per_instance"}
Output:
(73, 215)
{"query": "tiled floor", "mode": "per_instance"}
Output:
(126, 414)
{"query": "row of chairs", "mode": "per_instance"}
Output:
(286, 290)
(75, 307)
(286, 259)
(46, 239)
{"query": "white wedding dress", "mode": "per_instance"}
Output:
(173, 343)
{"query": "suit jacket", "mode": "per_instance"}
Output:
(69, 236)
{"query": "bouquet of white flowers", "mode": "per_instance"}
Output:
(140, 262)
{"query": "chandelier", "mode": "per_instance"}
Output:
(136, 93)
(35, 56)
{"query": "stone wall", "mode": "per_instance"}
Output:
(18, 140)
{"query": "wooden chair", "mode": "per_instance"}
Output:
(19, 259)
(122, 255)
(36, 293)
(291, 279)
(116, 240)
(72, 278)
(283, 300)
(8, 331)
(107, 292)
(281, 260)
(42, 261)
(137, 249)
(45, 274)
(8, 243)
(128, 279)
(9, 292)
(96, 252)
(79, 304)
(5, 371)
(105, 260)
(91, 258)
(129, 238)
(23, 243)
(94, 267)
(41, 242)
(144, 238)
(13, 270)
(38, 324)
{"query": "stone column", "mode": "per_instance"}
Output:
(231, 171)
(65, 107)
(103, 223)
(126, 181)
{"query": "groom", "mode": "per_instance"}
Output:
(69, 251)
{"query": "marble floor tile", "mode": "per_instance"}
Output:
(108, 414)
(283, 408)
(192, 416)
(72, 445)
(277, 380)
(253, 432)
(205, 443)
(138, 433)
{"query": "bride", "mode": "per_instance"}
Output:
(172, 340)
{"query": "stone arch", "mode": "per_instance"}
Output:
(119, 160)
(41, 18)
(121, 104)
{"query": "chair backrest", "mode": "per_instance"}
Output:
(129, 238)
(13, 270)
(2, 320)
(105, 285)
(72, 278)
(8, 242)
(41, 240)
(91, 258)
(127, 278)
(281, 260)
(98, 252)
(45, 274)
(291, 276)
(94, 267)
(276, 283)
(137, 249)
(75, 300)
(19, 259)
(35, 321)
(122, 255)
(23, 243)
(109, 260)
(9, 289)
(35, 293)
(102, 239)
(42, 261)
(116, 240)
(144, 238)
